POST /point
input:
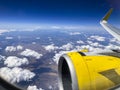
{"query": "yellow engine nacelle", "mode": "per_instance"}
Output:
(78, 71)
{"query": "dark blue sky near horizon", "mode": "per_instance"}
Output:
(70, 12)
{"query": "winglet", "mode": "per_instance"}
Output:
(106, 17)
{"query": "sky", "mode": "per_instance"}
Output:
(57, 12)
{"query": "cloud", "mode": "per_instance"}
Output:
(50, 39)
(94, 44)
(37, 37)
(13, 61)
(9, 38)
(34, 88)
(19, 47)
(3, 31)
(89, 42)
(2, 58)
(16, 74)
(92, 47)
(50, 87)
(98, 38)
(50, 47)
(55, 27)
(33, 42)
(32, 53)
(72, 27)
(111, 46)
(113, 40)
(82, 27)
(67, 46)
(75, 33)
(10, 49)
(80, 42)
(13, 48)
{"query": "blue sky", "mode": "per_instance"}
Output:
(58, 12)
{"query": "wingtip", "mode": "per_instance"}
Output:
(106, 17)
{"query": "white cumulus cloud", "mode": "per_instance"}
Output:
(13, 61)
(13, 48)
(50, 47)
(91, 48)
(19, 47)
(67, 46)
(16, 74)
(113, 40)
(10, 48)
(111, 46)
(98, 38)
(34, 87)
(32, 53)
(80, 42)
(94, 44)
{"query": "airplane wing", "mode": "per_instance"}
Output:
(115, 32)
(4, 85)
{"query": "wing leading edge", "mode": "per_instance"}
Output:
(111, 29)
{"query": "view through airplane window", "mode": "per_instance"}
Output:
(34, 34)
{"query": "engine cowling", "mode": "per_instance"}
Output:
(82, 71)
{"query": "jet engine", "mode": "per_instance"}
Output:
(89, 71)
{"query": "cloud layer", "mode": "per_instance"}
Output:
(92, 43)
